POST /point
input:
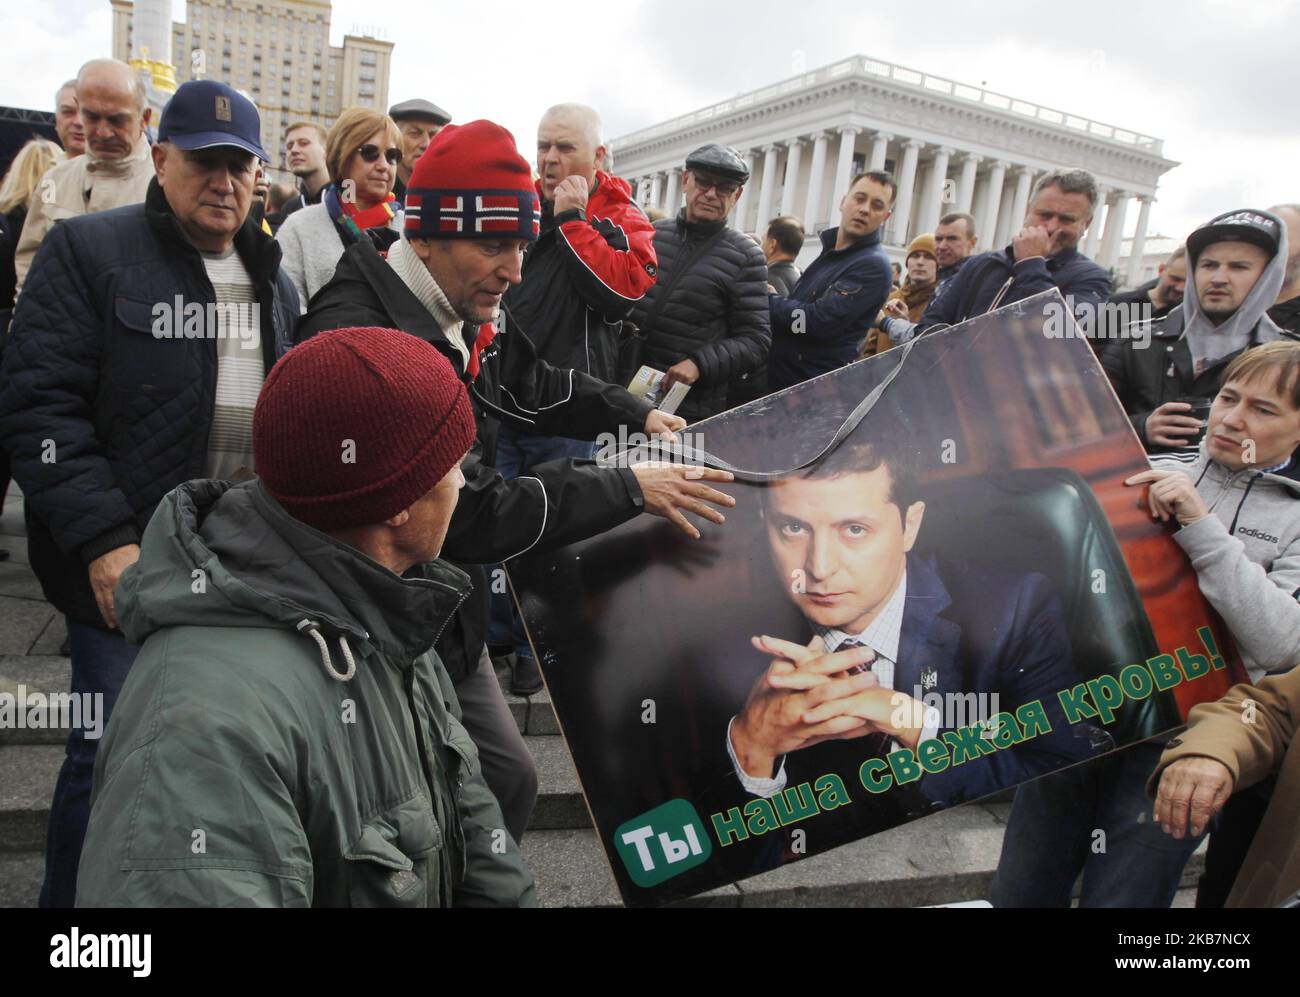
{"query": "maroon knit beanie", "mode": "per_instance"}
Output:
(354, 425)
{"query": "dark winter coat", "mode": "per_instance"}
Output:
(976, 286)
(581, 278)
(102, 417)
(558, 502)
(820, 326)
(709, 306)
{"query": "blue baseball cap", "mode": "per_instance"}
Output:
(204, 113)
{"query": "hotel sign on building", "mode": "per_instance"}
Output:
(950, 146)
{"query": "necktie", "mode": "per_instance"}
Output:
(849, 644)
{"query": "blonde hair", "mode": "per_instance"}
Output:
(25, 173)
(350, 131)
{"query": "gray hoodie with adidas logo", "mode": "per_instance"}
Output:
(1247, 554)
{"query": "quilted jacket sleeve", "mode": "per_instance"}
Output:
(47, 403)
(749, 330)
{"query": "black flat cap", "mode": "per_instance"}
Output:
(720, 160)
(421, 110)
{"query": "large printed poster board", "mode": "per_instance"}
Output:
(1010, 608)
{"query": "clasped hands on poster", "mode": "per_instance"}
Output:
(809, 695)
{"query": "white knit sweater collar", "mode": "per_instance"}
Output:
(413, 273)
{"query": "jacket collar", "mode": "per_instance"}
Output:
(401, 615)
(128, 164)
(1287, 479)
(858, 245)
(406, 310)
(698, 228)
(259, 252)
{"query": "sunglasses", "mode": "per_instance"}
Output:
(370, 153)
(725, 188)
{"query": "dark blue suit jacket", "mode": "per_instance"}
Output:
(974, 629)
(982, 631)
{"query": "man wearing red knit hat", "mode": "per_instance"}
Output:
(471, 210)
(286, 737)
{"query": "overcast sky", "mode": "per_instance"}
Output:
(1216, 79)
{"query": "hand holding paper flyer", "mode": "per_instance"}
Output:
(649, 384)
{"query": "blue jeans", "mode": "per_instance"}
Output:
(517, 454)
(1051, 837)
(100, 661)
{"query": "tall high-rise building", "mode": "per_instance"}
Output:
(278, 52)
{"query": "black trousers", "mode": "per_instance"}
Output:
(508, 767)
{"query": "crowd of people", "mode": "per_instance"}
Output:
(271, 527)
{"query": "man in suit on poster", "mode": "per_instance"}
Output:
(898, 645)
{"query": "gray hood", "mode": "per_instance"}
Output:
(1211, 342)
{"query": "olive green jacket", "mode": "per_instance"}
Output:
(242, 767)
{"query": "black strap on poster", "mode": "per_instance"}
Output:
(680, 454)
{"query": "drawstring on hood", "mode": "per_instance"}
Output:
(312, 629)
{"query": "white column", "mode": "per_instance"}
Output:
(988, 219)
(906, 182)
(1139, 242)
(977, 206)
(932, 202)
(656, 189)
(738, 216)
(1093, 238)
(843, 167)
(767, 188)
(813, 204)
(1007, 226)
(966, 185)
(1111, 238)
(1024, 180)
(673, 195)
(792, 160)
(879, 147)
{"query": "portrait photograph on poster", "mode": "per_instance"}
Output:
(934, 586)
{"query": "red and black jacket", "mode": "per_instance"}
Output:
(582, 277)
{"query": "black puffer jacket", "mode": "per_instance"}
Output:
(124, 413)
(709, 306)
(558, 502)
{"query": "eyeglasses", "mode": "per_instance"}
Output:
(725, 188)
(370, 153)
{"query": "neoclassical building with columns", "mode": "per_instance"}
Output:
(950, 146)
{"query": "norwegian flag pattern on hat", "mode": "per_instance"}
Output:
(472, 183)
(497, 213)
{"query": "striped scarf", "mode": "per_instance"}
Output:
(353, 224)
